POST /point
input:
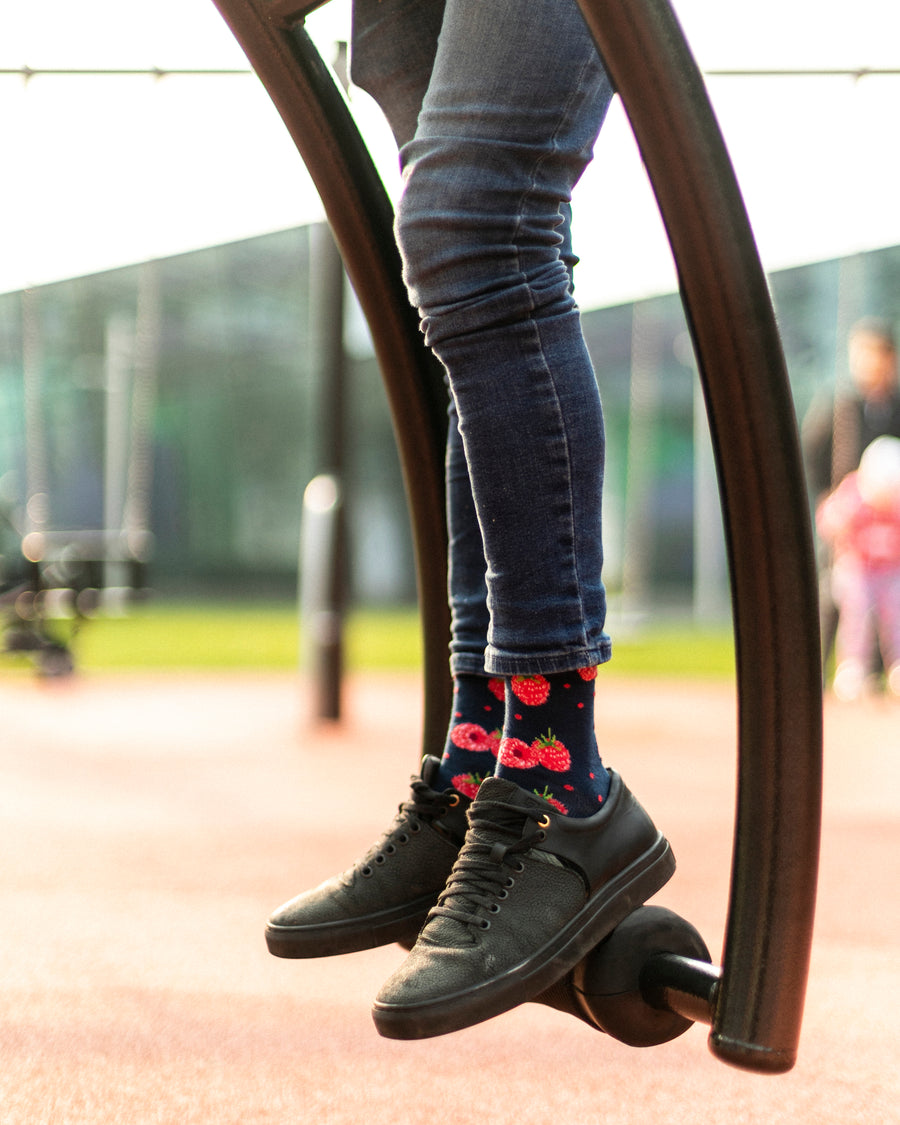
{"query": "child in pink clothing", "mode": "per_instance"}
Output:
(861, 520)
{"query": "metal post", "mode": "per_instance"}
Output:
(643, 410)
(118, 371)
(321, 592)
(325, 498)
(711, 593)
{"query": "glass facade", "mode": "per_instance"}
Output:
(189, 396)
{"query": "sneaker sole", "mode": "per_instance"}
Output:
(328, 939)
(599, 917)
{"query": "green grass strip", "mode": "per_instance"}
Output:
(267, 637)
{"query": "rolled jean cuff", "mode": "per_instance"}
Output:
(467, 663)
(498, 664)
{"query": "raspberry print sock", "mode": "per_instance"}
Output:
(548, 745)
(474, 736)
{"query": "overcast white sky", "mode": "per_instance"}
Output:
(102, 171)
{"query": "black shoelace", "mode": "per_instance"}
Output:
(485, 870)
(425, 804)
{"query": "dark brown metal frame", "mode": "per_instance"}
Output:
(754, 1006)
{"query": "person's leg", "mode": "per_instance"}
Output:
(507, 127)
(392, 49)
(856, 634)
(477, 715)
(392, 57)
(385, 896)
(516, 98)
(887, 608)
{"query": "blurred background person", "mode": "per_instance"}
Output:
(860, 521)
(836, 430)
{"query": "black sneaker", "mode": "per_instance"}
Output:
(531, 893)
(387, 894)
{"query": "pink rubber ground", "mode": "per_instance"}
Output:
(149, 825)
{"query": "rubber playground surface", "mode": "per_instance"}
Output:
(149, 825)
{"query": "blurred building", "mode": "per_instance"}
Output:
(187, 394)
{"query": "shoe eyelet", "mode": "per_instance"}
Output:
(520, 867)
(367, 872)
(453, 800)
(415, 827)
(379, 859)
(544, 822)
(389, 849)
(495, 909)
(502, 893)
(542, 835)
(484, 924)
(403, 838)
(510, 882)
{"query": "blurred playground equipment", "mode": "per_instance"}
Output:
(53, 578)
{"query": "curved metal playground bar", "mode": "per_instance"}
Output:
(754, 1002)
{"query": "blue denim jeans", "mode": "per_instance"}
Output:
(496, 105)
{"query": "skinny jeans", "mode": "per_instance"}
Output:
(496, 106)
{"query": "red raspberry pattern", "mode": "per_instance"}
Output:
(497, 688)
(468, 783)
(531, 690)
(551, 753)
(471, 736)
(517, 754)
(558, 805)
(549, 745)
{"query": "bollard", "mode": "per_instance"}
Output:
(322, 592)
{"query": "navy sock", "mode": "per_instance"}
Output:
(549, 746)
(473, 738)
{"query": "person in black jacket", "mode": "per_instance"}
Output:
(839, 426)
